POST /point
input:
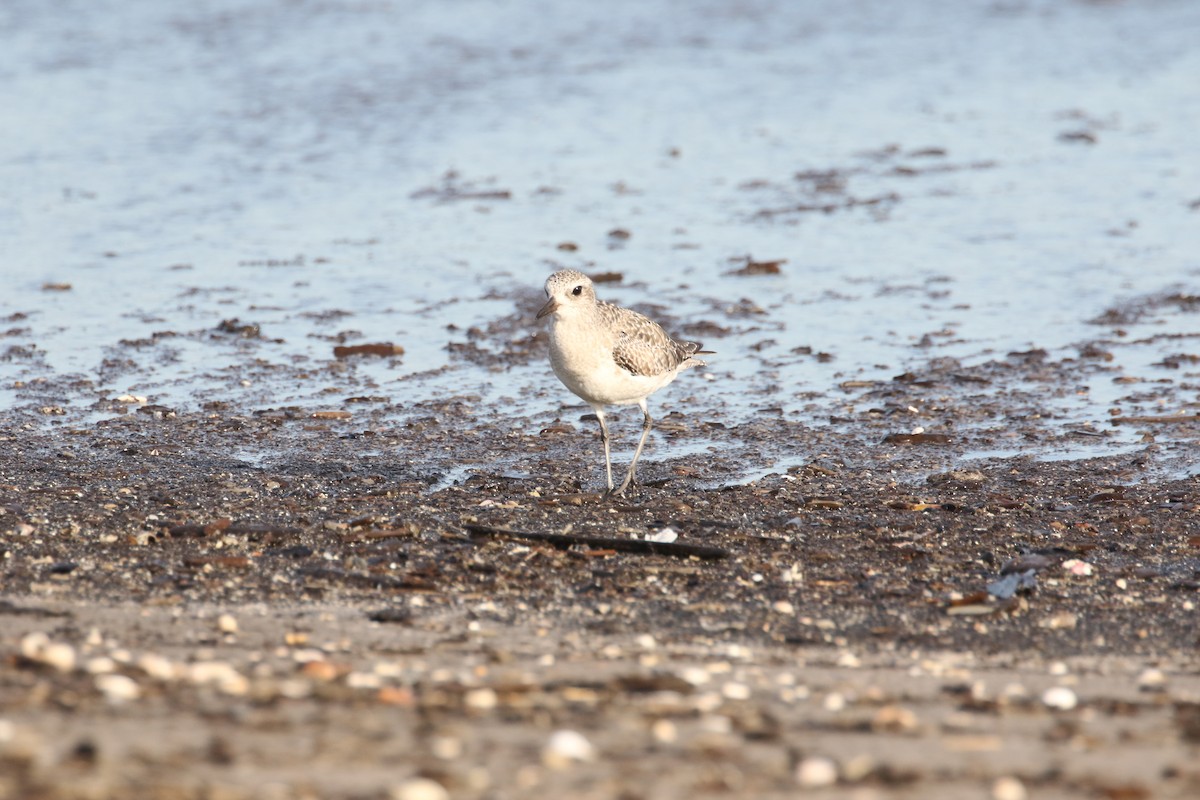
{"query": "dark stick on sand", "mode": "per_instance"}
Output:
(606, 543)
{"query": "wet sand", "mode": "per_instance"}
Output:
(300, 603)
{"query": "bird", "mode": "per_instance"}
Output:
(609, 355)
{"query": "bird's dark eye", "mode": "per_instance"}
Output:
(578, 290)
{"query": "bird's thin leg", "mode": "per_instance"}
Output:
(604, 439)
(630, 477)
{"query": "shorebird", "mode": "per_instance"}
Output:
(608, 355)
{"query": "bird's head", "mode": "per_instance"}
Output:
(567, 291)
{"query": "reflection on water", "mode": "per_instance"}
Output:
(986, 183)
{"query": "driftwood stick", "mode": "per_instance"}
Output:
(606, 542)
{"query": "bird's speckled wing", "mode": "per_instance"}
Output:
(640, 344)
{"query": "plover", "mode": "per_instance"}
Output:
(608, 355)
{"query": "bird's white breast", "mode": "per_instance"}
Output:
(581, 354)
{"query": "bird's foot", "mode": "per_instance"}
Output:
(630, 480)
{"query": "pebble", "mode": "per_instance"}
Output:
(736, 691)
(305, 655)
(484, 699)
(364, 680)
(100, 665)
(219, 674)
(1073, 566)
(419, 789)
(395, 696)
(447, 748)
(1064, 620)
(567, 747)
(1152, 679)
(816, 772)
(1060, 698)
(37, 647)
(32, 644)
(665, 536)
(118, 688)
(1008, 788)
(664, 731)
(227, 623)
(158, 667)
(321, 670)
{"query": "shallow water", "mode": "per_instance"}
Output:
(993, 178)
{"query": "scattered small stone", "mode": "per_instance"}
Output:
(1152, 679)
(322, 670)
(816, 772)
(396, 696)
(664, 731)
(157, 667)
(118, 688)
(567, 747)
(227, 623)
(1064, 620)
(331, 415)
(364, 680)
(482, 699)
(736, 691)
(1073, 566)
(419, 789)
(447, 748)
(220, 674)
(1060, 698)
(665, 536)
(1009, 788)
(848, 660)
(100, 665)
(38, 647)
(295, 638)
